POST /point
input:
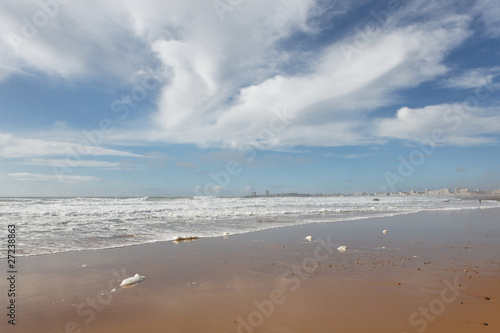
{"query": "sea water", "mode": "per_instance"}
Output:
(50, 225)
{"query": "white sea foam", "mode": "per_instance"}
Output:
(132, 280)
(70, 224)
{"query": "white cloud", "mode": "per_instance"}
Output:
(326, 102)
(226, 78)
(247, 190)
(61, 125)
(214, 59)
(33, 177)
(489, 11)
(474, 78)
(455, 124)
(79, 40)
(120, 37)
(15, 147)
(69, 163)
(349, 156)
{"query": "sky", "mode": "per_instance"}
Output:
(230, 97)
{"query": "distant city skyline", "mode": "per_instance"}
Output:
(435, 192)
(493, 194)
(188, 98)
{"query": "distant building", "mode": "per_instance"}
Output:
(443, 191)
(267, 193)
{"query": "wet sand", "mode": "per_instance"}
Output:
(433, 271)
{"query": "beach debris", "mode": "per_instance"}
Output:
(487, 298)
(185, 238)
(385, 232)
(84, 265)
(342, 248)
(309, 238)
(114, 289)
(132, 280)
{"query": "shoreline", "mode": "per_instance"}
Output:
(358, 218)
(276, 281)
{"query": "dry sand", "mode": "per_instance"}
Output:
(432, 272)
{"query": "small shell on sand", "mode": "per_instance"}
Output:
(385, 231)
(309, 238)
(342, 248)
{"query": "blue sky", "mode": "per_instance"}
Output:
(183, 98)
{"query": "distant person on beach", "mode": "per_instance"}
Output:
(479, 201)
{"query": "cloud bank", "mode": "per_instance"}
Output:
(227, 76)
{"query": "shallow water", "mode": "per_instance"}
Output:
(50, 225)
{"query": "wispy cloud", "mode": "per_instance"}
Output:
(34, 177)
(473, 78)
(350, 156)
(216, 92)
(186, 165)
(12, 146)
(80, 163)
(327, 101)
(489, 12)
(73, 43)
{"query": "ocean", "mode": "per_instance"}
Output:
(51, 225)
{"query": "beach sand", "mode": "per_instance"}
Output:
(436, 271)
